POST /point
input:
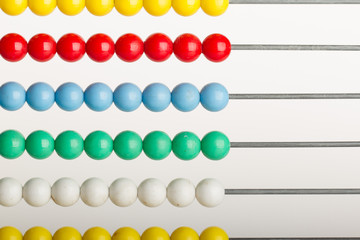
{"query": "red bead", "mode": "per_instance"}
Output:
(158, 47)
(71, 47)
(216, 47)
(187, 47)
(13, 47)
(100, 47)
(42, 47)
(129, 47)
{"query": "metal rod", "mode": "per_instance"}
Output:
(291, 47)
(295, 96)
(299, 238)
(346, 144)
(348, 191)
(294, 2)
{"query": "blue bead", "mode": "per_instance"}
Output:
(214, 97)
(156, 97)
(12, 96)
(185, 97)
(69, 96)
(40, 96)
(127, 97)
(98, 97)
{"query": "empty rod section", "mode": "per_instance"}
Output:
(291, 47)
(346, 144)
(295, 96)
(292, 191)
(294, 1)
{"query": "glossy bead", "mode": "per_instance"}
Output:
(69, 96)
(42, 7)
(126, 233)
(157, 145)
(216, 47)
(156, 97)
(12, 144)
(37, 193)
(128, 7)
(40, 96)
(65, 192)
(99, 7)
(214, 7)
(96, 233)
(37, 233)
(214, 97)
(180, 192)
(71, 47)
(13, 47)
(155, 233)
(69, 145)
(186, 145)
(127, 97)
(184, 233)
(128, 145)
(209, 192)
(158, 47)
(98, 97)
(12, 96)
(98, 145)
(39, 144)
(13, 7)
(100, 47)
(10, 233)
(123, 192)
(71, 7)
(94, 192)
(10, 193)
(215, 145)
(67, 233)
(129, 47)
(186, 7)
(157, 7)
(185, 97)
(214, 233)
(42, 47)
(187, 47)
(152, 192)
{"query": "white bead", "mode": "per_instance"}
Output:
(37, 192)
(210, 192)
(180, 192)
(65, 192)
(152, 192)
(123, 192)
(10, 192)
(94, 192)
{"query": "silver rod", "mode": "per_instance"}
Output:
(295, 96)
(291, 47)
(295, 144)
(297, 238)
(294, 1)
(347, 191)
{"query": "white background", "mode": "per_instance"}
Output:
(243, 72)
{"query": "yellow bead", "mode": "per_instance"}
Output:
(128, 7)
(186, 7)
(214, 7)
(42, 7)
(13, 7)
(155, 233)
(157, 7)
(126, 233)
(37, 233)
(214, 233)
(99, 7)
(96, 233)
(67, 233)
(10, 233)
(71, 7)
(184, 233)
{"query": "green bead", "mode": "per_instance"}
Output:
(186, 145)
(128, 145)
(157, 145)
(12, 144)
(69, 145)
(39, 144)
(215, 145)
(98, 145)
